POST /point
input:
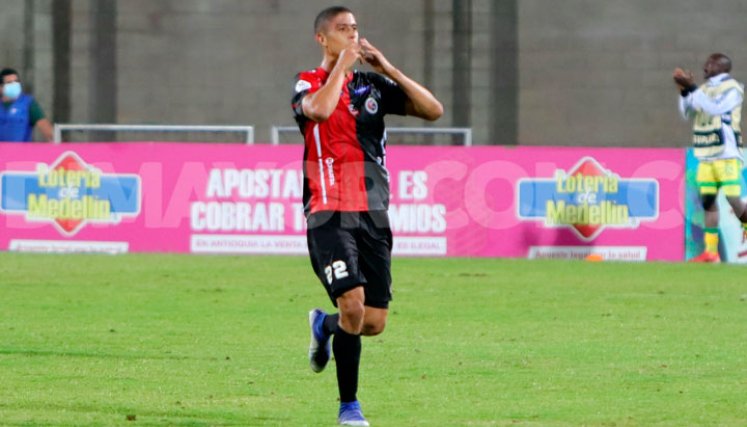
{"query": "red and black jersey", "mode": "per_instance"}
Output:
(344, 157)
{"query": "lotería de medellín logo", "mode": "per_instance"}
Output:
(587, 199)
(69, 194)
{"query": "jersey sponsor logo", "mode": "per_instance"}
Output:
(302, 85)
(372, 106)
(69, 194)
(361, 90)
(587, 199)
(330, 170)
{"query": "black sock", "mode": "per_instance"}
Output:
(330, 324)
(347, 350)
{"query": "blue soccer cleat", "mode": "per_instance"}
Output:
(319, 348)
(351, 415)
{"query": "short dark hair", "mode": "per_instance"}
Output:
(722, 60)
(324, 16)
(7, 72)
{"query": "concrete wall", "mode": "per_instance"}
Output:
(222, 61)
(234, 62)
(589, 72)
(35, 65)
(599, 72)
(11, 33)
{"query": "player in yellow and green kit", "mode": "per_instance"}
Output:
(716, 110)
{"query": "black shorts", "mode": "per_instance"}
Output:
(350, 249)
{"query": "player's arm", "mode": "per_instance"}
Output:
(319, 105)
(695, 99)
(420, 101)
(685, 82)
(715, 107)
(686, 106)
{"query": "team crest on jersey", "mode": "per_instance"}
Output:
(372, 106)
(302, 85)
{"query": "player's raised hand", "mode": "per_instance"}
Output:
(683, 78)
(374, 57)
(349, 56)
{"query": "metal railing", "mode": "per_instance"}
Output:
(59, 128)
(465, 132)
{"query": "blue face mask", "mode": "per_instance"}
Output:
(12, 90)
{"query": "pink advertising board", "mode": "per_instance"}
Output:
(537, 202)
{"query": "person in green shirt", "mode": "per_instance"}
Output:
(19, 112)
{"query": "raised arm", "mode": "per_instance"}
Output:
(420, 101)
(684, 80)
(695, 99)
(319, 105)
(715, 107)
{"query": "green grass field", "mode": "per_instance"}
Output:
(217, 341)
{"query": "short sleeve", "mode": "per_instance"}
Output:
(35, 112)
(393, 98)
(305, 83)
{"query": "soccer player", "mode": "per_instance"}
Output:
(340, 112)
(716, 110)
